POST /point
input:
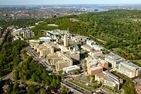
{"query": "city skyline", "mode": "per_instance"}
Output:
(58, 2)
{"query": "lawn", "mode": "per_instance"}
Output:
(83, 85)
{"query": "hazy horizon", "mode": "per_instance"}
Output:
(67, 2)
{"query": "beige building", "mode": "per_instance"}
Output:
(95, 53)
(87, 48)
(90, 62)
(108, 79)
(129, 69)
(94, 70)
(66, 40)
(59, 60)
(113, 59)
(103, 63)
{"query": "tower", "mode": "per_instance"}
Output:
(66, 40)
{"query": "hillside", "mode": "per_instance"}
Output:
(117, 30)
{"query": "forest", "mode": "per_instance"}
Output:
(31, 70)
(10, 55)
(18, 22)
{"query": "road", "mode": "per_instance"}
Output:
(83, 91)
(36, 58)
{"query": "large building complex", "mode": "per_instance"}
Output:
(62, 51)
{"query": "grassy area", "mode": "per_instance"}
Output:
(29, 82)
(83, 85)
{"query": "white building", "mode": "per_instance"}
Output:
(71, 69)
(93, 45)
(45, 39)
(129, 69)
(90, 42)
(113, 59)
(111, 80)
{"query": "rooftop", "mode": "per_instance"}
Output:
(115, 56)
(130, 65)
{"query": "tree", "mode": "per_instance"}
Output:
(31, 90)
(43, 91)
(15, 76)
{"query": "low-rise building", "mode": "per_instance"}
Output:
(103, 63)
(108, 79)
(113, 59)
(71, 69)
(90, 42)
(93, 45)
(111, 80)
(138, 89)
(59, 60)
(45, 39)
(91, 62)
(94, 70)
(95, 53)
(23, 32)
(27, 33)
(87, 48)
(78, 38)
(129, 69)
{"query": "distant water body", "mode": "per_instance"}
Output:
(100, 7)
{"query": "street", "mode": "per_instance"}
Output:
(76, 88)
(36, 58)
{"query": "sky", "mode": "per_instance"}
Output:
(51, 2)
